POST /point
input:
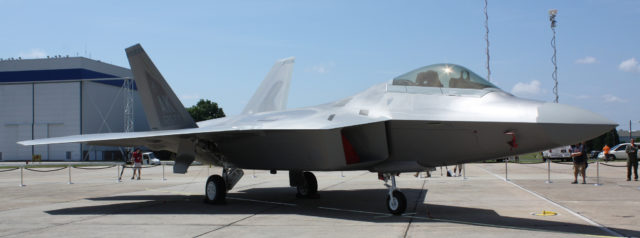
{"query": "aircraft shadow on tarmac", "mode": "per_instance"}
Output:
(358, 205)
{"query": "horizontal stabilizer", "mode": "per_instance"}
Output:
(274, 89)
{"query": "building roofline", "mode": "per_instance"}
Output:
(64, 63)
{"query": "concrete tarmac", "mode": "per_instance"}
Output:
(350, 204)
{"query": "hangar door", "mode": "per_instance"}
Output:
(15, 121)
(57, 113)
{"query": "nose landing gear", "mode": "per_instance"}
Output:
(396, 201)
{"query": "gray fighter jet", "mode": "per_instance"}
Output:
(442, 114)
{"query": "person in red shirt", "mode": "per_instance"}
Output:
(136, 157)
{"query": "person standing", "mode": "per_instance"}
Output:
(605, 151)
(579, 155)
(457, 171)
(632, 160)
(137, 163)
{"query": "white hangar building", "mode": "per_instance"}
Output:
(62, 96)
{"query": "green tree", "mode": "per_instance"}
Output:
(205, 110)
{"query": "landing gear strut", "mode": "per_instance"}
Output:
(396, 201)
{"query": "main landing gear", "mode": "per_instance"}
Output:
(305, 182)
(396, 201)
(217, 186)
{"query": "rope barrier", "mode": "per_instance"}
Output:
(44, 171)
(571, 163)
(610, 165)
(7, 170)
(565, 163)
(143, 167)
(531, 163)
(93, 168)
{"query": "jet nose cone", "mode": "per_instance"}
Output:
(567, 124)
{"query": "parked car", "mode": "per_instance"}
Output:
(617, 152)
(149, 158)
(563, 153)
(594, 154)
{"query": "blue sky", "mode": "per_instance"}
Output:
(221, 50)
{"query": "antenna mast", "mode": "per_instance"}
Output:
(486, 38)
(554, 75)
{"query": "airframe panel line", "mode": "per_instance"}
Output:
(558, 205)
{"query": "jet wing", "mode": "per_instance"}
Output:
(293, 120)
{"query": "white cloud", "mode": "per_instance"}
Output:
(611, 98)
(531, 88)
(322, 68)
(630, 65)
(582, 97)
(587, 60)
(33, 54)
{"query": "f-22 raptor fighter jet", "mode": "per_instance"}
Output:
(441, 114)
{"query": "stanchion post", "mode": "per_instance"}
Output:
(118, 179)
(548, 171)
(506, 169)
(163, 178)
(21, 176)
(597, 172)
(341, 174)
(464, 171)
(70, 175)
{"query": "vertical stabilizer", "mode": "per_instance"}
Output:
(274, 89)
(163, 109)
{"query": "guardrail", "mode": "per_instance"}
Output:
(57, 166)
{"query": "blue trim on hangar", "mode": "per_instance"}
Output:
(58, 75)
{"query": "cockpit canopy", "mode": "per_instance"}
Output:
(447, 79)
(443, 75)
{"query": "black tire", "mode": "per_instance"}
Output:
(398, 205)
(309, 187)
(215, 190)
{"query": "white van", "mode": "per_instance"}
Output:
(149, 158)
(563, 153)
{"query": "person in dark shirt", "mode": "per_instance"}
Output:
(579, 155)
(632, 160)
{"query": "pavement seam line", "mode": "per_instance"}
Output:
(85, 219)
(275, 205)
(415, 208)
(341, 182)
(605, 229)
